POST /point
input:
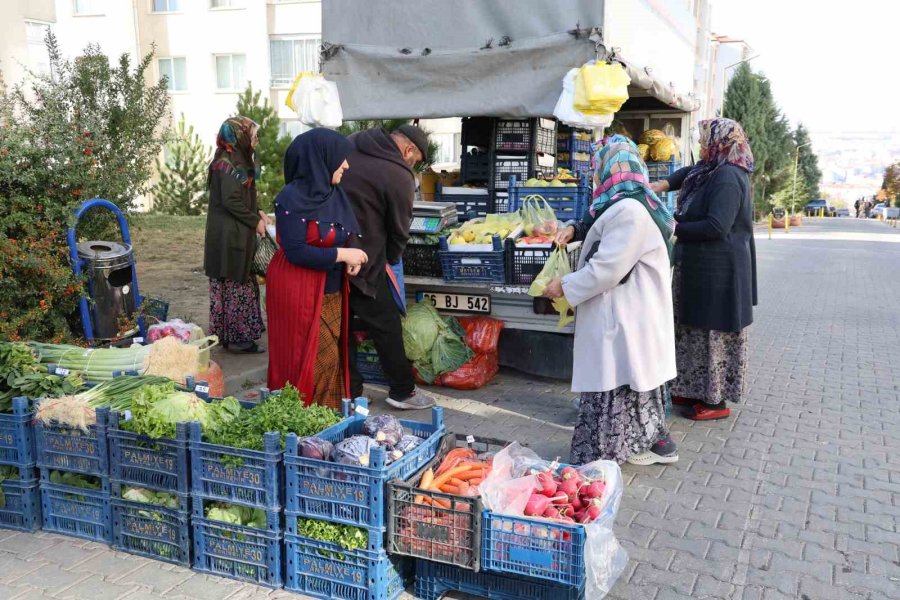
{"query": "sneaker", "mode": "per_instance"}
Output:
(663, 452)
(417, 401)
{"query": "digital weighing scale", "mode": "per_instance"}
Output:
(432, 217)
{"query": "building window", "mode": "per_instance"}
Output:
(292, 56)
(88, 7)
(226, 3)
(448, 147)
(175, 72)
(162, 6)
(230, 72)
(38, 55)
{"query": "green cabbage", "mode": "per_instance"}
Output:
(449, 353)
(420, 330)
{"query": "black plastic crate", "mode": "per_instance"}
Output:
(523, 168)
(421, 260)
(524, 263)
(470, 202)
(433, 525)
(525, 135)
(475, 167)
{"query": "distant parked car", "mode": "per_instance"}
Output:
(876, 210)
(814, 209)
(843, 212)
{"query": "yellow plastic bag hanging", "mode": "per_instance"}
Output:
(557, 266)
(289, 100)
(601, 88)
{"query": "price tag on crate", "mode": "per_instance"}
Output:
(201, 389)
(127, 414)
(470, 439)
(137, 341)
(362, 410)
(62, 371)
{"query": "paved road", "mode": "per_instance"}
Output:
(797, 496)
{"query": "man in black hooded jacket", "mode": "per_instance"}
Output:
(382, 187)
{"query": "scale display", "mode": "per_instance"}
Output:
(427, 224)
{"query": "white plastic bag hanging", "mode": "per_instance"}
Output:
(316, 101)
(565, 107)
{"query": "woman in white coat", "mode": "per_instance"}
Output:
(624, 329)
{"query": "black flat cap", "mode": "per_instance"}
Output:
(416, 136)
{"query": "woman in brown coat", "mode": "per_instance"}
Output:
(232, 224)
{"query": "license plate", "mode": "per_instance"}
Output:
(457, 302)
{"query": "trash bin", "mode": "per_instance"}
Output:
(108, 268)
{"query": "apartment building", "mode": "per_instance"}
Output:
(23, 25)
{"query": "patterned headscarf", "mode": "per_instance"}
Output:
(620, 173)
(722, 142)
(234, 151)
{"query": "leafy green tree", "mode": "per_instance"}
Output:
(271, 148)
(181, 189)
(807, 164)
(89, 129)
(890, 185)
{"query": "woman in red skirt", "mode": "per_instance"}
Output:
(307, 280)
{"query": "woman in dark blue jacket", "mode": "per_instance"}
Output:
(714, 282)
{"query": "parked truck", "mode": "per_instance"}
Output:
(429, 59)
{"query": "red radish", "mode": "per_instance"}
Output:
(536, 505)
(551, 513)
(577, 504)
(569, 473)
(569, 487)
(595, 490)
(592, 513)
(547, 484)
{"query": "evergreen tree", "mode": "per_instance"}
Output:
(181, 189)
(807, 164)
(271, 148)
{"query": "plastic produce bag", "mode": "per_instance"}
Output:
(565, 107)
(601, 88)
(316, 101)
(512, 480)
(538, 217)
(556, 266)
(474, 374)
(185, 332)
(482, 333)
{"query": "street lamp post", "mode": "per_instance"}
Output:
(794, 186)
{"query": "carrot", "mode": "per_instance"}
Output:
(454, 457)
(445, 477)
(427, 478)
(475, 481)
(473, 474)
(449, 488)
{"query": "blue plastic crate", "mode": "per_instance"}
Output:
(349, 494)
(236, 552)
(533, 548)
(247, 477)
(77, 512)
(71, 449)
(17, 433)
(325, 570)
(369, 366)
(21, 505)
(569, 203)
(142, 461)
(433, 580)
(473, 266)
(661, 170)
(152, 531)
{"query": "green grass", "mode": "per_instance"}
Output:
(168, 223)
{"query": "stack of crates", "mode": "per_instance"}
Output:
(252, 479)
(21, 508)
(74, 471)
(154, 465)
(574, 149)
(662, 170)
(524, 148)
(347, 496)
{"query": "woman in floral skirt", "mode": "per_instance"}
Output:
(624, 334)
(232, 223)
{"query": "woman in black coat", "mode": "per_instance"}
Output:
(714, 282)
(232, 223)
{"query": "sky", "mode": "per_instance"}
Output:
(833, 64)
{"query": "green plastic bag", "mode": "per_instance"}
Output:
(556, 266)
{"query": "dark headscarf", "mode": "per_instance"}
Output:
(234, 150)
(309, 163)
(723, 142)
